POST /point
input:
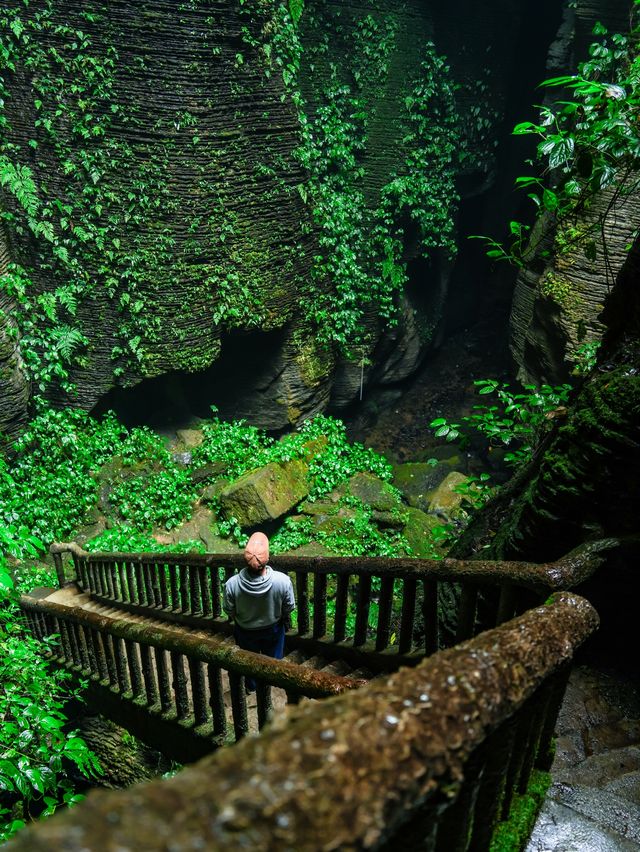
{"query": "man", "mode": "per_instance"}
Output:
(259, 601)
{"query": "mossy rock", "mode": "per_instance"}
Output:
(265, 494)
(212, 492)
(94, 523)
(334, 523)
(207, 471)
(190, 438)
(313, 548)
(373, 491)
(445, 500)
(200, 528)
(417, 480)
(318, 507)
(418, 532)
(389, 520)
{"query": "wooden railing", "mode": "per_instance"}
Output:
(431, 757)
(387, 608)
(175, 677)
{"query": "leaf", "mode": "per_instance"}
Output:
(560, 81)
(527, 127)
(6, 583)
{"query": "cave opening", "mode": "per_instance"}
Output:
(246, 367)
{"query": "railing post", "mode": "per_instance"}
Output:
(121, 665)
(216, 699)
(319, 605)
(342, 599)
(57, 561)
(238, 705)
(385, 608)
(466, 612)
(363, 600)
(430, 615)
(216, 609)
(180, 685)
(147, 674)
(135, 673)
(302, 597)
(408, 611)
(265, 707)
(164, 686)
(198, 692)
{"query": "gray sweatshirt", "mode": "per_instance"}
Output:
(258, 600)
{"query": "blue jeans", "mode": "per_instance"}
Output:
(265, 640)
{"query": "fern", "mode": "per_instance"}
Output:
(19, 181)
(67, 340)
(68, 298)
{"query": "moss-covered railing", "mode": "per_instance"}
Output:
(439, 756)
(176, 677)
(376, 612)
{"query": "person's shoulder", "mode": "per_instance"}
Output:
(280, 577)
(233, 580)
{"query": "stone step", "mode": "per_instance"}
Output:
(600, 769)
(609, 812)
(338, 667)
(361, 674)
(627, 787)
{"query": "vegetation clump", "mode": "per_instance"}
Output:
(588, 142)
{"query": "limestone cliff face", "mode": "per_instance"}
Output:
(559, 296)
(14, 386)
(168, 213)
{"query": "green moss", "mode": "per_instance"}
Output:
(512, 834)
(560, 289)
(314, 359)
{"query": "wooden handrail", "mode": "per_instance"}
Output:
(568, 571)
(207, 649)
(398, 759)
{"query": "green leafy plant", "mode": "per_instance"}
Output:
(36, 746)
(361, 265)
(586, 357)
(588, 141)
(518, 420)
(125, 539)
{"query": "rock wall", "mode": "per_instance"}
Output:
(560, 294)
(14, 386)
(160, 208)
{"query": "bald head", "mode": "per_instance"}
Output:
(256, 552)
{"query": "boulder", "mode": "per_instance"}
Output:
(418, 533)
(373, 491)
(445, 500)
(335, 522)
(417, 480)
(266, 493)
(200, 528)
(94, 523)
(319, 507)
(212, 492)
(394, 520)
(190, 438)
(207, 471)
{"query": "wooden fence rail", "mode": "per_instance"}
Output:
(388, 608)
(177, 676)
(431, 757)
